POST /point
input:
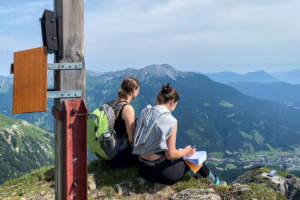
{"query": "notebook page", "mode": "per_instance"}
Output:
(197, 158)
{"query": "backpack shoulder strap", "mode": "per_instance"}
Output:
(117, 107)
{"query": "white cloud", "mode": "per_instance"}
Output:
(205, 31)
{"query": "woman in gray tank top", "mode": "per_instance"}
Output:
(155, 143)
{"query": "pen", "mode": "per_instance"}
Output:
(193, 147)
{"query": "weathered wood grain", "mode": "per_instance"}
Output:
(70, 26)
(30, 81)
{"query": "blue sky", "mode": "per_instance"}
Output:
(193, 35)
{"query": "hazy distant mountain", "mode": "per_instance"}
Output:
(99, 73)
(91, 73)
(284, 93)
(5, 83)
(227, 77)
(292, 76)
(50, 79)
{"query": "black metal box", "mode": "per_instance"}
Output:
(48, 24)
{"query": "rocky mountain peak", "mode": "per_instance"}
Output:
(144, 74)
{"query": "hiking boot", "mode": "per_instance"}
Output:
(220, 183)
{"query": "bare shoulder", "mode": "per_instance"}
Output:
(128, 108)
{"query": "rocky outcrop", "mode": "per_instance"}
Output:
(239, 189)
(246, 177)
(196, 194)
(290, 188)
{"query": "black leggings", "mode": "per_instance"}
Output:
(166, 171)
(124, 158)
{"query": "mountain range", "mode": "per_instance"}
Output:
(216, 117)
(23, 147)
(281, 92)
(292, 76)
(227, 77)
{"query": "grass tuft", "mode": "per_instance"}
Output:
(29, 184)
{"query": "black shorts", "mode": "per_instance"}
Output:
(165, 171)
(162, 170)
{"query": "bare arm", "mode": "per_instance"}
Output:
(128, 117)
(172, 153)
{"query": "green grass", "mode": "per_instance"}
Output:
(216, 154)
(267, 193)
(106, 178)
(230, 166)
(226, 104)
(189, 181)
(231, 115)
(248, 154)
(258, 138)
(214, 163)
(28, 184)
(246, 135)
(196, 126)
(249, 145)
(272, 157)
(192, 133)
(248, 166)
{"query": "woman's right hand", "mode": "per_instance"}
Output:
(189, 150)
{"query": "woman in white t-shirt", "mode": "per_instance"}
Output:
(155, 143)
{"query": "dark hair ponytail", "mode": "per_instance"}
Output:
(166, 94)
(128, 84)
(122, 94)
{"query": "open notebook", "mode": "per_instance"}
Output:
(196, 160)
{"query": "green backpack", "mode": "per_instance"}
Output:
(101, 136)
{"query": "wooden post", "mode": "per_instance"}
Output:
(70, 21)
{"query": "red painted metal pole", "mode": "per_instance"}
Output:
(75, 148)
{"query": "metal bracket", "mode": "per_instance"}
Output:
(56, 66)
(60, 66)
(63, 94)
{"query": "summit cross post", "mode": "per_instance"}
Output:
(71, 113)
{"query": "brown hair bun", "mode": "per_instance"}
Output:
(166, 88)
(166, 94)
